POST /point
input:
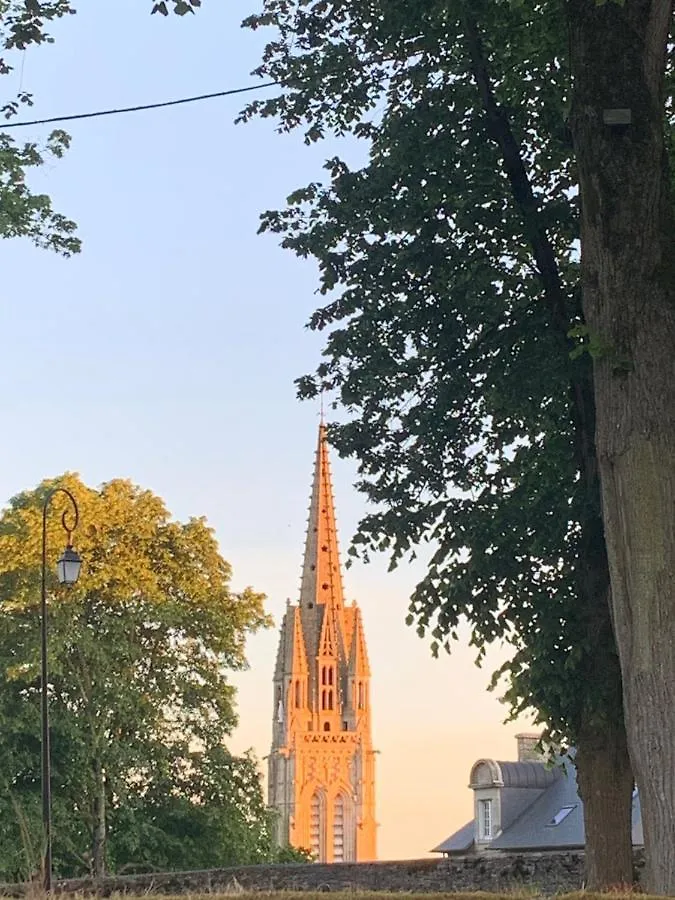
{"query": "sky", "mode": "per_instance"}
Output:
(166, 353)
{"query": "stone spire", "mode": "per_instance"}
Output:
(321, 584)
(358, 654)
(321, 764)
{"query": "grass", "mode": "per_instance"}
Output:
(525, 894)
(530, 893)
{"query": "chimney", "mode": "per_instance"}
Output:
(527, 747)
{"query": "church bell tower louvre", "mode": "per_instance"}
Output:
(321, 768)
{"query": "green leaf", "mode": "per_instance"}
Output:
(140, 654)
(453, 376)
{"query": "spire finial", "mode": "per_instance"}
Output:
(321, 418)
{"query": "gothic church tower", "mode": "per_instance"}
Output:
(322, 765)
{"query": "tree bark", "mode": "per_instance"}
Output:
(628, 279)
(99, 835)
(604, 771)
(605, 780)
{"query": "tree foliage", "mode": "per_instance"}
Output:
(442, 346)
(207, 815)
(140, 701)
(23, 212)
(458, 344)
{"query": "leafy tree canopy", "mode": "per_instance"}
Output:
(447, 350)
(140, 701)
(24, 213)
(456, 341)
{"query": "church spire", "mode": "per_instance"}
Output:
(322, 764)
(321, 577)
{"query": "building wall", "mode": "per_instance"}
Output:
(494, 797)
(322, 785)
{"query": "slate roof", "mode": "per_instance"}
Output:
(534, 828)
(459, 842)
(636, 822)
(526, 774)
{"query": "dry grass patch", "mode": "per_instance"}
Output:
(342, 895)
(525, 893)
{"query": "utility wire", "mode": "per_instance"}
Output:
(128, 109)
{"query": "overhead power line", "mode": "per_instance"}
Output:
(129, 109)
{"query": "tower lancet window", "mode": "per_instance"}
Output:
(317, 827)
(328, 675)
(327, 698)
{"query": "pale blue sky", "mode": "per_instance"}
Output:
(166, 353)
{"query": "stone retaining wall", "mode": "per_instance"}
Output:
(547, 873)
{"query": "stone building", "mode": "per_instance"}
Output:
(321, 765)
(526, 805)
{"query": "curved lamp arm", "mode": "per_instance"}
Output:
(73, 512)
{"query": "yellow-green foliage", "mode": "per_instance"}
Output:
(140, 652)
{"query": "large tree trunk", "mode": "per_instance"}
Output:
(99, 832)
(605, 780)
(604, 772)
(628, 270)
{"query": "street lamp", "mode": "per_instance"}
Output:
(68, 570)
(68, 566)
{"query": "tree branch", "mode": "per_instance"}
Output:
(500, 131)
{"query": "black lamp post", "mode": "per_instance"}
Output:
(68, 570)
